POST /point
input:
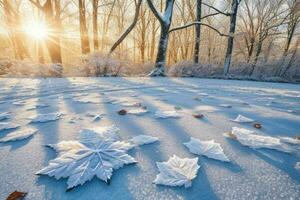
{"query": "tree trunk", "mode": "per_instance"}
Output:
(53, 21)
(162, 50)
(95, 24)
(198, 32)
(292, 59)
(84, 38)
(233, 16)
(258, 51)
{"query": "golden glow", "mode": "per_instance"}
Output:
(36, 30)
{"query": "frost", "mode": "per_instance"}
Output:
(209, 148)
(8, 125)
(4, 115)
(139, 111)
(289, 140)
(19, 135)
(167, 114)
(249, 138)
(297, 166)
(177, 171)
(46, 117)
(242, 119)
(143, 139)
(97, 153)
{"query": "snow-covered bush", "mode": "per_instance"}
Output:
(25, 68)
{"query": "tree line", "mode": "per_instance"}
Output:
(163, 31)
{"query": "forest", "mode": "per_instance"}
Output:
(256, 39)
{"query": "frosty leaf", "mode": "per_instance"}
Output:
(249, 138)
(46, 117)
(210, 149)
(93, 155)
(297, 166)
(139, 111)
(131, 104)
(92, 135)
(242, 119)
(18, 135)
(4, 115)
(8, 125)
(16, 195)
(225, 105)
(167, 114)
(143, 139)
(177, 171)
(289, 140)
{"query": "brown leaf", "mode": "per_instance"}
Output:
(197, 99)
(198, 116)
(16, 195)
(298, 137)
(257, 125)
(231, 135)
(122, 112)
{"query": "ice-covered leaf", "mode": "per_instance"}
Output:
(177, 171)
(46, 117)
(209, 148)
(92, 155)
(297, 166)
(138, 111)
(143, 139)
(4, 115)
(167, 114)
(289, 140)
(8, 125)
(249, 138)
(131, 104)
(242, 119)
(18, 135)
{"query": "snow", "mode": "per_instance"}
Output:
(250, 174)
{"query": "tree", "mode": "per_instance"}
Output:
(232, 27)
(52, 12)
(95, 24)
(198, 32)
(84, 37)
(165, 23)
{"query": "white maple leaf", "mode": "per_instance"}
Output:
(242, 119)
(8, 125)
(209, 148)
(249, 138)
(19, 135)
(177, 171)
(4, 115)
(138, 111)
(143, 139)
(167, 114)
(46, 117)
(95, 154)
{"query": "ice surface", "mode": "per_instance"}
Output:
(251, 174)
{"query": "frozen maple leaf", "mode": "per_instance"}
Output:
(177, 171)
(19, 135)
(46, 117)
(167, 114)
(96, 153)
(242, 119)
(143, 139)
(209, 148)
(249, 138)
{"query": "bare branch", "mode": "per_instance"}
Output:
(214, 8)
(200, 23)
(129, 29)
(37, 4)
(155, 12)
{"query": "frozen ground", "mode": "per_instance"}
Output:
(251, 174)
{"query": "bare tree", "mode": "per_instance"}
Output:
(84, 37)
(165, 23)
(232, 27)
(95, 24)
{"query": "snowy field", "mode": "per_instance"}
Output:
(80, 103)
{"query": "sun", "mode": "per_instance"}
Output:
(37, 30)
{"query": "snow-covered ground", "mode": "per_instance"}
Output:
(79, 103)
